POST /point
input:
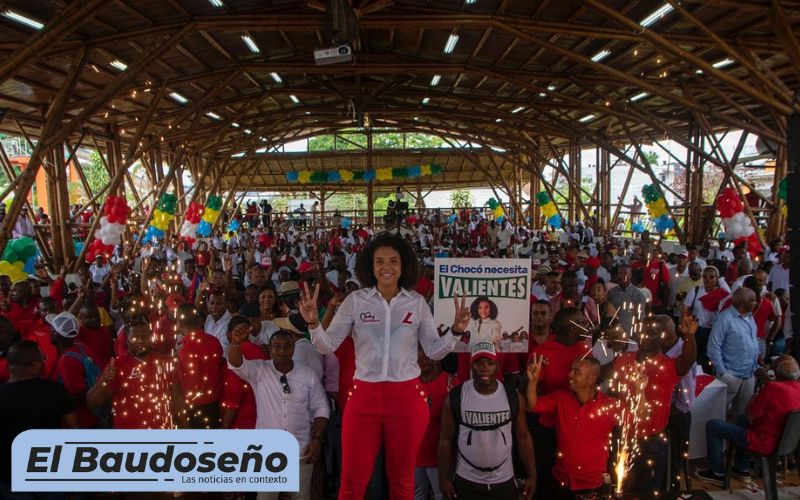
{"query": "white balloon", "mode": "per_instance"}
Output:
(748, 230)
(103, 221)
(107, 240)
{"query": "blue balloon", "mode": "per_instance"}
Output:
(152, 233)
(369, 175)
(414, 171)
(637, 227)
(78, 246)
(292, 176)
(204, 229)
(500, 219)
(554, 221)
(664, 223)
(234, 225)
(334, 176)
(452, 218)
(30, 263)
(346, 223)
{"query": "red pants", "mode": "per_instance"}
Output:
(394, 413)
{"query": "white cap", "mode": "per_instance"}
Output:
(64, 324)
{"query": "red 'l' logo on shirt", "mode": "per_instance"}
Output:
(407, 319)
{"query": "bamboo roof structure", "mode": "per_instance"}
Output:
(193, 84)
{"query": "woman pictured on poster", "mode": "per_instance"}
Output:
(483, 325)
(387, 405)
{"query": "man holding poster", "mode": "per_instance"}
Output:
(495, 289)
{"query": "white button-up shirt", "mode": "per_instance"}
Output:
(386, 335)
(275, 409)
(219, 329)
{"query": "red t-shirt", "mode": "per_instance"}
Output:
(436, 390)
(72, 375)
(763, 313)
(555, 375)
(142, 392)
(237, 394)
(425, 287)
(98, 342)
(583, 432)
(199, 368)
(21, 317)
(40, 333)
(769, 410)
(662, 377)
(656, 273)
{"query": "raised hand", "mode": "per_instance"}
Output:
(462, 314)
(535, 366)
(240, 333)
(308, 304)
(688, 326)
(109, 372)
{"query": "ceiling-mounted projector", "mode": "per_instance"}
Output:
(333, 55)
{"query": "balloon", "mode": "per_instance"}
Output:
(543, 198)
(346, 175)
(346, 223)
(500, 219)
(554, 221)
(292, 176)
(369, 175)
(204, 229)
(452, 218)
(384, 174)
(637, 227)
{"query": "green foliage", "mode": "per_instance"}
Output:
(461, 198)
(96, 174)
(350, 141)
(652, 158)
(587, 183)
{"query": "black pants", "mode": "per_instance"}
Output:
(678, 429)
(544, 439)
(467, 490)
(649, 470)
(701, 337)
(564, 493)
(205, 416)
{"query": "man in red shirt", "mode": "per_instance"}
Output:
(663, 374)
(93, 335)
(559, 354)
(585, 418)
(141, 383)
(21, 307)
(656, 279)
(437, 385)
(198, 371)
(569, 296)
(760, 429)
(8, 337)
(71, 367)
(425, 283)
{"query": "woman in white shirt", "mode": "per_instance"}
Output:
(387, 405)
(483, 325)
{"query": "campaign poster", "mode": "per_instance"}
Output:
(497, 294)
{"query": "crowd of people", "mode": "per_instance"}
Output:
(328, 333)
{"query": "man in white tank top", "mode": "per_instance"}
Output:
(485, 423)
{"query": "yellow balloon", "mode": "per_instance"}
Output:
(383, 174)
(346, 175)
(304, 177)
(425, 170)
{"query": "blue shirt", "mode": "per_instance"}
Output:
(732, 345)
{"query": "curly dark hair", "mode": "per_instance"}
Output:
(473, 308)
(409, 266)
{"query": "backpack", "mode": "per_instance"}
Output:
(455, 407)
(91, 371)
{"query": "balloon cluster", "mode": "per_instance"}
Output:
(191, 220)
(638, 227)
(162, 215)
(737, 224)
(549, 209)
(19, 258)
(657, 207)
(112, 225)
(783, 192)
(497, 209)
(210, 216)
(452, 218)
(233, 225)
(381, 174)
(346, 223)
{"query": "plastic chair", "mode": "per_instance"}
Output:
(789, 441)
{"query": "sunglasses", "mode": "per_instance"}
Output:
(285, 382)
